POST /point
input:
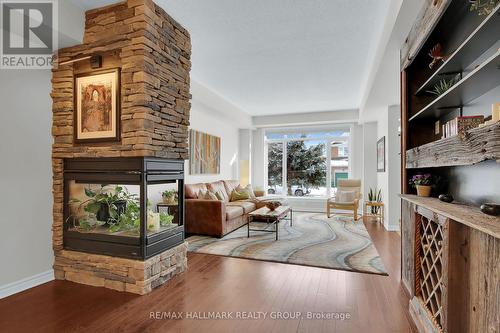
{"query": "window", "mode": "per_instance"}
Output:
(275, 168)
(314, 162)
(306, 168)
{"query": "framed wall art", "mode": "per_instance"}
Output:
(97, 106)
(381, 155)
(204, 153)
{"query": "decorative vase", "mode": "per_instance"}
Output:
(259, 193)
(272, 205)
(169, 200)
(103, 212)
(424, 190)
(153, 221)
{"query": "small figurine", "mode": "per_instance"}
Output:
(436, 54)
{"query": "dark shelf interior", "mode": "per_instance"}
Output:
(486, 34)
(481, 80)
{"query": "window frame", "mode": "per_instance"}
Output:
(327, 140)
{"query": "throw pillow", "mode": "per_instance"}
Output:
(219, 196)
(345, 196)
(211, 195)
(208, 195)
(249, 188)
(240, 195)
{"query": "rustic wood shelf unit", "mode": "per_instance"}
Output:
(450, 252)
(477, 145)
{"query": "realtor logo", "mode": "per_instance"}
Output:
(29, 33)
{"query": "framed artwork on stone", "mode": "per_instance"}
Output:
(97, 106)
(381, 155)
(204, 153)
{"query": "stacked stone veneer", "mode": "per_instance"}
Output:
(153, 52)
(134, 276)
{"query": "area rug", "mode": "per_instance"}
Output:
(313, 240)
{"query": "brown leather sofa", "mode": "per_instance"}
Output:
(217, 217)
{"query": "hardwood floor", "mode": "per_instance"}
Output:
(375, 303)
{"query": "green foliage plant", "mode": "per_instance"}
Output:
(483, 7)
(169, 193)
(375, 196)
(165, 219)
(443, 86)
(306, 166)
(126, 220)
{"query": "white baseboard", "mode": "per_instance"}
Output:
(26, 283)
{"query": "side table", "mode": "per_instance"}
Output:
(170, 208)
(369, 204)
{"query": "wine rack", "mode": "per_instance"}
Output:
(429, 279)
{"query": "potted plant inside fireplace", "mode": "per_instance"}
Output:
(107, 210)
(111, 206)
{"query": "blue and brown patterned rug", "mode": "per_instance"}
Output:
(313, 240)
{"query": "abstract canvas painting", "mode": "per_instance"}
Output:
(97, 106)
(204, 153)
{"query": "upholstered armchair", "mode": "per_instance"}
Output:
(347, 197)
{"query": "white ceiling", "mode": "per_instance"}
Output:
(281, 56)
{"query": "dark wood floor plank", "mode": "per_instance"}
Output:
(376, 303)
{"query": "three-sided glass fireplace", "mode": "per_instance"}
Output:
(131, 207)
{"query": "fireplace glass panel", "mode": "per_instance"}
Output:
(111, 209)
(129, 207)
(114, 209)
(163, 207)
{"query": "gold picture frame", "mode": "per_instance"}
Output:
(97, 106)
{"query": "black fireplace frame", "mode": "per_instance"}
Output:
(140, 171)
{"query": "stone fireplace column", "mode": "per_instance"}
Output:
(153, 54)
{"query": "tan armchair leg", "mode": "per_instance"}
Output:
(355, 214)
(327, 210)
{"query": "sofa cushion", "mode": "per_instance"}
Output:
(233, 212)
(248, 206)
(192, 190)
(231, 185)
(345, 196)
(342, 204)
(218, 187)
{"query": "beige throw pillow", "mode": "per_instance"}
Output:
(219, 196)
(208, 195)
(345, 196)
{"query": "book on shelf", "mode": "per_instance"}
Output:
(459, 125)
